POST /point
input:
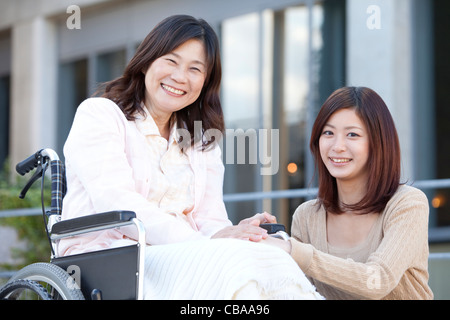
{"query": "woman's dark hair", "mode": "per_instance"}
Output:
(128, 91)
(384, 150)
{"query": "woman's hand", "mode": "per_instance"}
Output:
(259, 218)
(247, 231)
(244, 232)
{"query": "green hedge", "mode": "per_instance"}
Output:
(30, 229)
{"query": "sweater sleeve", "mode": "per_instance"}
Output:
(405, 239)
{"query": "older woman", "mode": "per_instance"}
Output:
(143, 146)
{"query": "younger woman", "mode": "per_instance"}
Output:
(366, 235)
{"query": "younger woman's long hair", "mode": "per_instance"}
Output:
(128, 91)
(383, 164)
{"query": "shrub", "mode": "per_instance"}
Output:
(30, 229)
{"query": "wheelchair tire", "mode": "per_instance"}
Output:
(58, 283)
(24, 290)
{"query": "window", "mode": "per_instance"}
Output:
(431, 96)
(5, 83)
(277, 70)
(440, 201)
(242, 97)
(110, 65)
(78, 80)
(4, 119)
(72, 91)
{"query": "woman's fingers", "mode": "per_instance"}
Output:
(268, 218)
(247, 231)
(259, 218)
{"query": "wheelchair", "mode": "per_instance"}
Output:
(109, 274)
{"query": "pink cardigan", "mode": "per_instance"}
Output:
(106, 169)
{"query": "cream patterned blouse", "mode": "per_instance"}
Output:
(172, 186)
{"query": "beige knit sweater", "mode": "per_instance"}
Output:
(392, 263)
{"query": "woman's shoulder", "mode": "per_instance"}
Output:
(101, 109)
(407, 193)
(306, 220)
(98, 104)
(307, 209)
(408, 202)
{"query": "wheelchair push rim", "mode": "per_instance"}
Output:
(55, 280)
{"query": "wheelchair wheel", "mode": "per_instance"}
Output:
(24, 290)
(56, 281)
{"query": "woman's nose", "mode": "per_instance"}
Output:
(339, 148)
(339, 145)
(179, 75)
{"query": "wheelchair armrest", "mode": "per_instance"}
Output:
(92, 221)
(101, 221)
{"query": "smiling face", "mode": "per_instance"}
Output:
(344, 146)
(175, 80)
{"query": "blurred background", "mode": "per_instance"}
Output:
(281, 59)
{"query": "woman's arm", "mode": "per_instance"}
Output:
(405, 239)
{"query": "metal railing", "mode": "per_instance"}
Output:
(249, 196)
(439, 256)
(309, 192)
(438, 234)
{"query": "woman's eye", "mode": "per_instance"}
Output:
(327, 133)
(353, 135)
(171, 60)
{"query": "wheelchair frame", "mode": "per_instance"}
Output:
(89, 279)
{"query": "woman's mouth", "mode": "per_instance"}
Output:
(172, 90)
(340, 160)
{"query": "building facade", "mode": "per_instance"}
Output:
(281, 59)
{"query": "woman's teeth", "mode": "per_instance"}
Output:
(173, 90)
(340, 160)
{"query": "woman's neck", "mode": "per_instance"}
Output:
(162, 121)
(351, 192)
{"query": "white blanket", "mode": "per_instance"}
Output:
(223, 269)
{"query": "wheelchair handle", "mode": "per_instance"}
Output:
(29, 163)
(41, 160)
(35, 159)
